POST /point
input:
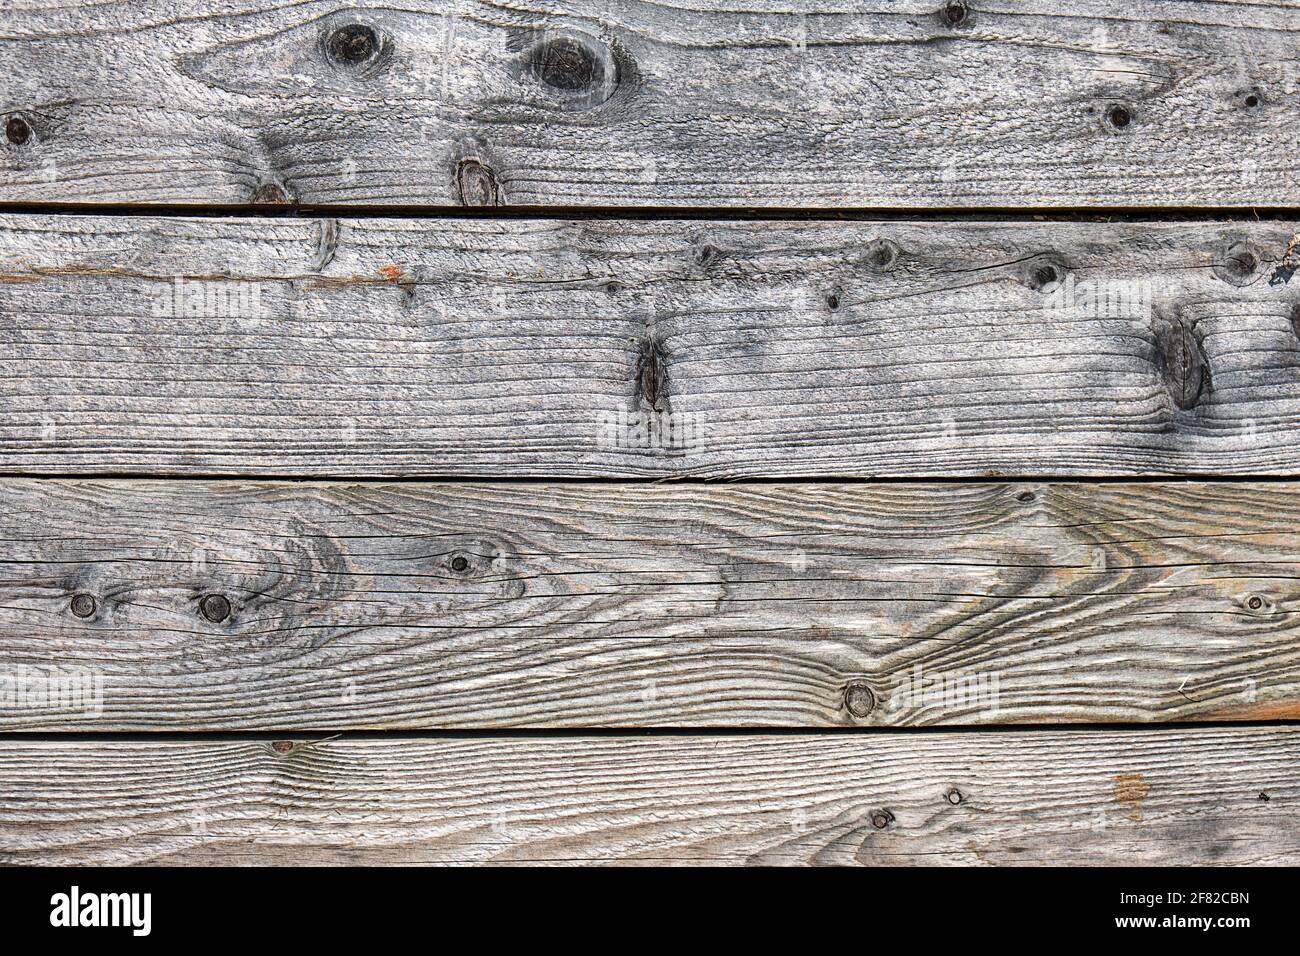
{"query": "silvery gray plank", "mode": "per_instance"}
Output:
(928, 103)
(193, 605)
(487, 348)
(1205, 796)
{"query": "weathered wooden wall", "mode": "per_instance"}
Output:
(358, 495)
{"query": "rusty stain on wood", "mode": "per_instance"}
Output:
(1131, 789)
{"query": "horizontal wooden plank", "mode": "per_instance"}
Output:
(646, 349)
(1189, 797)
(612, 348)
(195, 605)
(828, 103)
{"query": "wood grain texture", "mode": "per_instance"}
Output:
(832, 103)
(1190, 797)
(495, 606)
(367, 348)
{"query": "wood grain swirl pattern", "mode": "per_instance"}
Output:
(551, 605)
(697, 104)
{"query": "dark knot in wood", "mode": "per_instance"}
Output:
(652, 374)
(1118, 116)
(17, 130)
(566, 64)
(270, 193)
(1182, 361)
(352, 45)
(476, 184)
(215, 607)
(83, 605)
(859, 699)
(881, 255)
(955, 13)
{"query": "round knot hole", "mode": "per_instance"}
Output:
(83, 605)
(565, 64)
(859, 699)
(1118, 116)
(352, 45)
(215, 608)
(956, 13)
(17, 130)
(881, 255)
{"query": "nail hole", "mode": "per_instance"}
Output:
(859, 699)
(459, 563)
(1118, 116)
(83, 605)
(215, 607)
(1252, 100)
(352, 45)
(17, 130)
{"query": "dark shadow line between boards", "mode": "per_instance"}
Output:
(543, 733)
(1031, 214)
(683, 480)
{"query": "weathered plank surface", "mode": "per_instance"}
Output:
(486, 348)
(1203, 796)
(832, 103)
(489, 606)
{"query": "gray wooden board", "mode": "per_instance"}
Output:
(582, 102)
(1207, 796)
(496, 605)
(365, 348)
